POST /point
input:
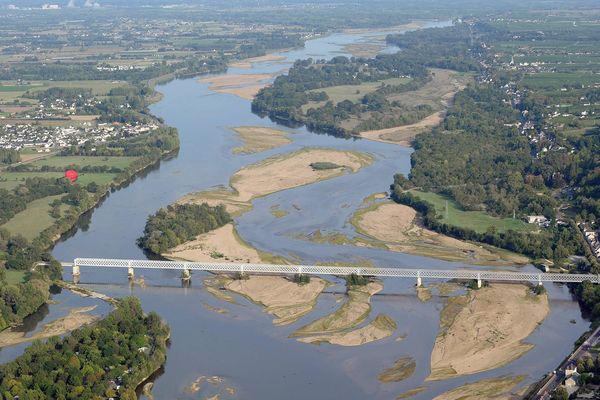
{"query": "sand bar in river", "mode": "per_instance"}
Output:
(220, 245)
(76, 318)
(257, 139)
(287, 300)
(243, 85)
(485, 329)
(279, 173)
(396, 226)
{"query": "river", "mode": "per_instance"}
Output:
(242, 346)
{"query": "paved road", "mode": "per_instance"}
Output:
(556, 378)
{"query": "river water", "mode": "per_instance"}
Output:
(242, 346)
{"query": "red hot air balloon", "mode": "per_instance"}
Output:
(71, 175)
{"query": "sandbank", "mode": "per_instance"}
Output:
(352, 313)
(256, 139)
(248, 62)
(279, 173)
(485, 329)
(396, 226)
(404, 135)
(220, 245)
(286, 300)
(243, 85)
(402, 369)
(76, 318)
(380, 328)
(497, 388)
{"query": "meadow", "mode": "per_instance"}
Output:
(476, 220)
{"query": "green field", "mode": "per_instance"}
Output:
(98, 87)
(355, 92)
(34, 219)
(15, 88)
(119, 162)
(10, 180)
(476, 220)
(559, 79)
(14, 277)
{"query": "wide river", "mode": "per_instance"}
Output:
(251, 355)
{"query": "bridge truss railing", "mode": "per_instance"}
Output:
(335, 270)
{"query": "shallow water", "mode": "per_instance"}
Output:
(243, 346)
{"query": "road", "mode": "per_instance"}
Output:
(556, 378)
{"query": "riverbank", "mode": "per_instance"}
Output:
(397, 227)
(278, 173)
(485, 329)
(76, 318)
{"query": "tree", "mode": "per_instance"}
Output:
(560, 394)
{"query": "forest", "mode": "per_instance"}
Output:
(180, 223)
(20, 299)
(108, 359)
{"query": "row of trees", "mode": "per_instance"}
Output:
(180, 223)
(9, 156)
(106, 360)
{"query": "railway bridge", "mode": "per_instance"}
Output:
(79, 264)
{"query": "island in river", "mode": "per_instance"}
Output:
(398, 228)
(485, 329)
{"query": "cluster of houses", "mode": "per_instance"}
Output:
(45, 138)
(591, 237)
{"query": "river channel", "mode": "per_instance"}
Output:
(254, 358)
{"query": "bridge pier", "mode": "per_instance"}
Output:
(186, 275)
(478, 281)
(130, 273)
(419, 281)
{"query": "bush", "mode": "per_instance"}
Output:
(320, 166)
(356, 280)
(301, 279)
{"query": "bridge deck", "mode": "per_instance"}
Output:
(341, 271)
